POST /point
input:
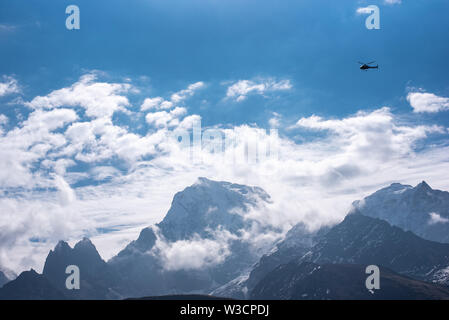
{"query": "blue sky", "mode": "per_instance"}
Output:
(84, 113)
(316, 44)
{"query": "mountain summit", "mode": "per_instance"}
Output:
(209, 215)
(420, 209)
(364, 240)
(208, 205)
(204, 245)
(95, 275)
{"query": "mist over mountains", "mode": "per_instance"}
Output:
(3, 279)
(419, 209)
(209, 243)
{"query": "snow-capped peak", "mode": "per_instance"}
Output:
(209, 205)
(410, 208)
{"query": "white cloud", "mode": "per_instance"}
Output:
(196, 253)
(364, 10)
(8, 85)
(104, 172)
(25, 145)
(435, 218)
(368, 10)
(242, 88)
(155, 103)
(184, 94)
(159, 103)
(374, 133)
(3, 121)
(390, 2)
(100, 99)
(66, 193)
(427, 102)
(275, 121)
(130, 179)
(163, 119)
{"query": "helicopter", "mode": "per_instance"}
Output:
(366, 66)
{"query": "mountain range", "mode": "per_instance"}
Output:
(419, 209)
(310, 281)
(399, 228)
(360, 241)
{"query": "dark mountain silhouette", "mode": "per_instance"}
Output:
(140, 273)
(358, 239)
(208, 207)
(310, 281)
(297, 242)
(364, 240)
(97, 279)
(30, 285)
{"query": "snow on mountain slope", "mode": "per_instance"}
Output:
(310, 281)
(364, 240)
(203, 242)
(420, 209)
(208, 205)
(297, 242)
(206, 244)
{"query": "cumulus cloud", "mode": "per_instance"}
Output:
(274, 122)
(164, 118)
(365, 131)
(65, 174)
(242, 88)
(23, 146)
(3, 119)
(435, 218)
(390, 2)
(99, 99)
(196, 253)
(427, 102)
(8, 85)
(155, 103)
(159, 103)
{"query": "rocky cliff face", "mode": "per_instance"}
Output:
(97, 279)
(420, 209)
(310, 281)
(202, 246)
(208, 214)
